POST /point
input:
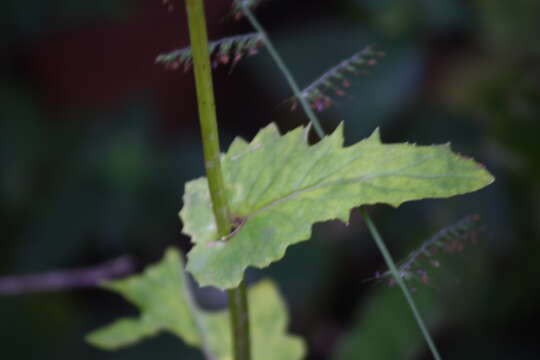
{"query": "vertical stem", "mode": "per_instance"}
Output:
(238, 306)
(239, 314)
(207, 114)
(284, 69)
(393, 269)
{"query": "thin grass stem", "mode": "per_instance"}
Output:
(284, 69)
(316, 124)
(393, 269)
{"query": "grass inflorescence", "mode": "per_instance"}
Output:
(229, 50)
(334, 82)
(451, 239)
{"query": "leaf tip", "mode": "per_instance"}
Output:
(375, 135)
(267, 134)
(94, 339)
(340, 128)
(339, 133)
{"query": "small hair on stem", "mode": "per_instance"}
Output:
(237, 7)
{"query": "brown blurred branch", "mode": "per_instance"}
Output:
(68, 279)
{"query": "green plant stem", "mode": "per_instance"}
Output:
(393, 269)
(207, 114)
(238, 305)
(239, 313)
(316, 124)
(284, 69)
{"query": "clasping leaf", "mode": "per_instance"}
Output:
(278, 186)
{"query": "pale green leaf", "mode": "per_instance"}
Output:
(278, 186)
(165, 303)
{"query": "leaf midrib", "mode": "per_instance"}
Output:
(357, 179)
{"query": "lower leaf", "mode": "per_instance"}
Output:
(162, 295)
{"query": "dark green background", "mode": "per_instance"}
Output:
(96, 143)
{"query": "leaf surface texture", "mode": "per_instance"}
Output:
(164, 300)
(278, 186)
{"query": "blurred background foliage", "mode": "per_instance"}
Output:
(96, 143)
